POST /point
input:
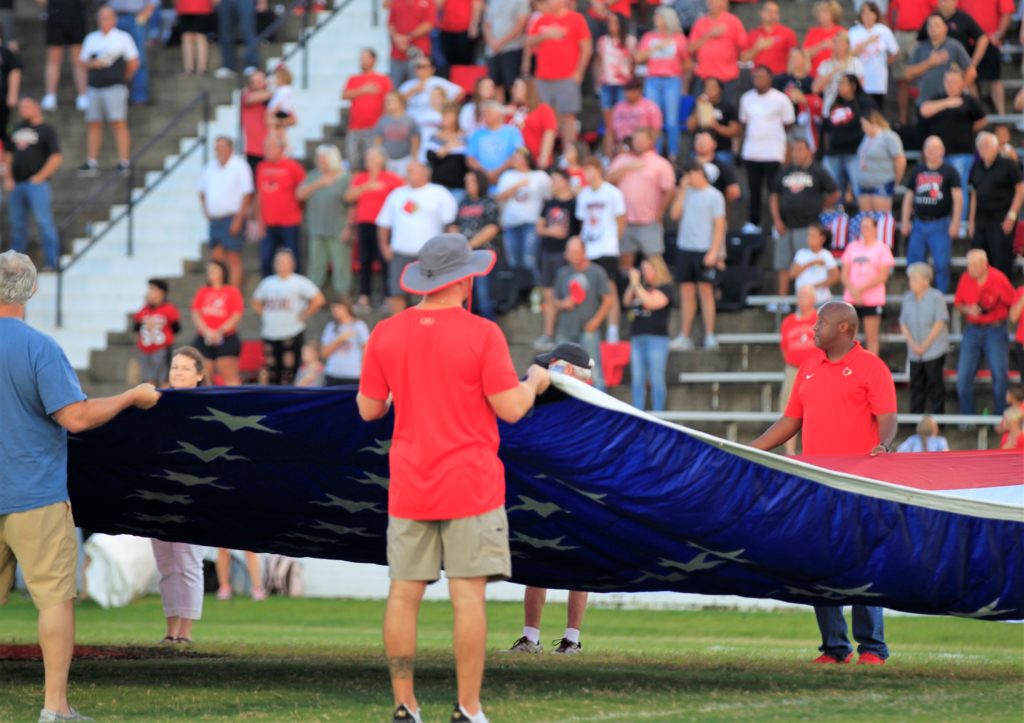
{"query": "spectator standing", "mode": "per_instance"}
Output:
(963, 29)
(491, 148)
(284, 301)
(521, 191)
(633, 112)
(1016, 315)
(583, 298)
(666, 53)
(397, 133)
(797, 84)
(557, 223)
(477, 220)
(281, 106)
(535, 120)
(844, 401)
(446, 152)
(647, 182)
(412, 215)
(417, 90)
(155, 324)
(771, 42)
(365, 92)
(818, 42)
(65, 30)
(842, 63)
(601, 209)
(226, 193)
(111, 59)
(410, 23)
(254, 116)
(42, 401)
(459, 23)
(326, 218)
(700, 254)
(716, 41)
(504, 31)
(719, 173)
(195, 20)
(765, 114)
(935, 200)
(927, 438)
(924, 321)
(234, 18)
(867, 264)
(802, 190)
(815, 266)
(561, 43)
(277, 207)
(615, 52)
(368, 191)
(30, 160)
(875, 46)
(132, 18)
(714, 114)
(907, 17)
(843, 134)
(997, 192)
(341, 345)
(796, 341)
(689, 11)
(994, 20)
(471, 115)
(934, 56)
(10, 87)
(217, 310)
(649, 298)
(880, 164)
(984, 296)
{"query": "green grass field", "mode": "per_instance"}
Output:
(304, 660)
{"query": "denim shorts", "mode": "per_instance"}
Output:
(887, 191)
(220, 235)
(610, 95)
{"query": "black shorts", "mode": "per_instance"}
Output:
(201, 24)
(865, 311)
(231, 346)
(550, 263)
(505, 67)
(65, 32)
(690, 268)
(991, 65)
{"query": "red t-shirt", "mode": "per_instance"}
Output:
(366, 110)
(819, 35)
(1019, 336)
(194, 7)
(440, 366)
(776, 56)
(987, 14)
(557, 59)
(995, 296)
(156, 329)
(719, 57)
(797, 339)
(276, 184)
(910, 14)
(540, 119)
(370, 203)
(840, 402)
(406, 16)
(254, 126)
(216, 306)
(456, 16)
(616, 6)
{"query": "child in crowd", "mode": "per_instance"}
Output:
(556, 224)
(927, 438)
(1012, 424)
(156, 323)
(815, 266)
(867, 263)
(571, 162)
(311, 371)
(281, 107)
(342, 345)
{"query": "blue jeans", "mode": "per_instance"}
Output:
(647, 363)
(521, 245)
(962, 162)
(868, 631)
(843, 169)
(591, 341)
(482, 302)
(234, 17)
(990, 340)
(932, 237)
(140, 81)
(278, 236)
(610, 95)
(33, 198)
(665, 92)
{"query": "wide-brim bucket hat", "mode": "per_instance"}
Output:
(445, 260)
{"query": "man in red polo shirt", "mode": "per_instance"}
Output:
(769, 43)
(365, 92)
(460, 28)
(984, 296)
(277, 208)
(844, 402)
(451, 377)
(562, 46)
(410, 23)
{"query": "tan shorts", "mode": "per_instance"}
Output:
(787, 387)
(43, 542)
(907, 42)
(466, 547)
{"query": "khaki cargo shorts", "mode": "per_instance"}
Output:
(466, 547)
(43, 542)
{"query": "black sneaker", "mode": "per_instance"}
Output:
(403, 715)
(123, 167)
(89, 168)
(566, 647)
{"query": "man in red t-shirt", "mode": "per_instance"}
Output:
(984, 297)
(156, 323)
(562, 46)
(769, 43)
(460, 28)
(365, 92)
(410, 23)
(844, 401)
(277, 208)
(1017, 317)
(451, 377)
(796, 341)
(993, 17)
(716, 42)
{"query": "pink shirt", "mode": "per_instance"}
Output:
(616, 60)
(665, 61)
(644, 189)
(865, 262)
(626, 118)
(719, 57)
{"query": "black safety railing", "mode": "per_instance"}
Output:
(123, 186)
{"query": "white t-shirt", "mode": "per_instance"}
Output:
(416, 215)
(108, 47)
(283, 301)
(224, 187)
(281, 100)
(419, 104)
(765, 117)
(526, 205)
(815, 274)
(875, 55)
(467, 119)
(599, 211)
(347, 360)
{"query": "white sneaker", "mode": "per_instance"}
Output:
(49, 102)
(249, 70)
(223, 73)
(681, 343)
(82, 102)
(750, 228)
(612, 335)
(710, 342)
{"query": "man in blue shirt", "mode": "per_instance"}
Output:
(491, 147)
(41, 402)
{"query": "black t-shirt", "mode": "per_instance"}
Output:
(474, 214)
(955, 125)
(802, 192)
(30, 147)
(646, 321)
(559, 214)
(9, 62)
(720, 175)
(962, 28)
(933, 191)
(786, 81)
(842, 124)
(994, 186)
(725, 113)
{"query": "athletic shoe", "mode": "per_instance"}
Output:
(49, 102)
(524, 645)
(223, 73)
(82, 103)
(681, 343)
(460, 716)
(402, 714)
(259, 594)
(710, 342)
(169, 640)
(89, 168)
(123, 167)
(543, 343)
(751, 228)
(224, 593)
(566, 647)
(46, 716)
(870, 659)
(826, 659)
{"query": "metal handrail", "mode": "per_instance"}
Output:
(202, 100)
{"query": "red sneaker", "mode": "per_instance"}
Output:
(826, 659)
(870, 659)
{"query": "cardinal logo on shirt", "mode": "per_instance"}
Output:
(578, 286)
(25, 137)
(410, 207)
(797, 181)
(841, 115)
(847, 372)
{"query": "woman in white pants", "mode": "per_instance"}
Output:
(181, 564)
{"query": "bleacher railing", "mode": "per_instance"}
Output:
(123, 186)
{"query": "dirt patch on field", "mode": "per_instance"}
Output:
(103, 652)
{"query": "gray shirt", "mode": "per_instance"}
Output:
(697, 226)
(875, 159)
(593, 282)
(929, 85)
(920, 316)
(326, 212)
(397, 135)
(134, 7)
(503, 16)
